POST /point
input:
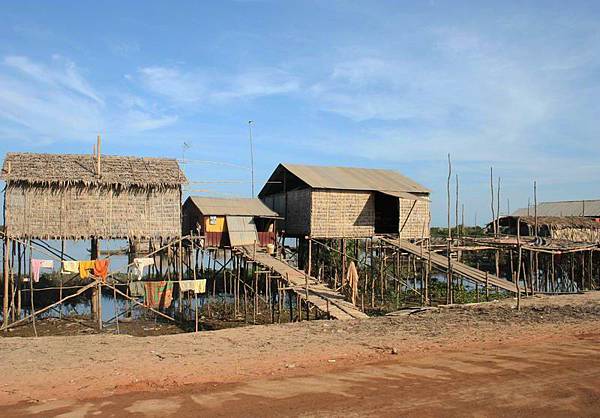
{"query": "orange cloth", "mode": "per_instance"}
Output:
(101, 268)
(158, 294)
(85, 267)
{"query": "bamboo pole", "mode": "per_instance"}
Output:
(31, 316)
(449, 239)
(5, 278)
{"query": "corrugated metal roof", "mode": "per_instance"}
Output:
(352, 178)
(564, 208)
(232, 206)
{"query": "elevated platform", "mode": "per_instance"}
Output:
(319, 295)
(458, 268)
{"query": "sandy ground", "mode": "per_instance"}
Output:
(488, 355)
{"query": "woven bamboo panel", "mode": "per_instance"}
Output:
(414, 219)
(83, 212)
(342, 214)
(297, 221)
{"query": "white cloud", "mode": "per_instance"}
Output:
(184, 87)
(64, 74)
(53, 101)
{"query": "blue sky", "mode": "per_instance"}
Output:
(365, 83)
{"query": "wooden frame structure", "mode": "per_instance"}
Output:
(83, 197)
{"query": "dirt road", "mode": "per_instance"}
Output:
(550, 379)
(483, 360)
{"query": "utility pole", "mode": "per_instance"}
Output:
(250, 122)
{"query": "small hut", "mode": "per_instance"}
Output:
(569, 228)
(346, 202)
(65, 196)
(229, 222)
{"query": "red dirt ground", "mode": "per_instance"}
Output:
(478, 361)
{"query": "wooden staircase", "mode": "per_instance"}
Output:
(319, 295)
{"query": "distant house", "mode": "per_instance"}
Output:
(346, 202)
(229, 222)
(66, 196)
(571, 228)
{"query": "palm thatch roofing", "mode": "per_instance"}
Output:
(68, 169)
(344, 178)
(589, 208)
(212, 206)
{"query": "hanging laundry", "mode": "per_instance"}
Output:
(139, 264)
(70, 267)
(158, 294)
(36, 265)
(136, 289)
(101, 269)
(197, 286)
(85, 267)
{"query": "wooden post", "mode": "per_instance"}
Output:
(5, 277)
(180, 272)
(98, 172)
(449, 239)
(31, 291)
(591, 266)
(60, 296)
(96, 312)
(195, 263)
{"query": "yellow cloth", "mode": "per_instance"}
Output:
(197, 286)
(85, 267)
(70, 267)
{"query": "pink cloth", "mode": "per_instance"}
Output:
(36, 265)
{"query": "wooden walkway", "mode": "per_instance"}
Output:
(458, 268)
(319, 295)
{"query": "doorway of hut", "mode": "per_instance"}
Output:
(387, 213)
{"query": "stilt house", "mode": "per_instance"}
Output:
(229, 222)
(570, 228)
(64, 196)
(345, 202)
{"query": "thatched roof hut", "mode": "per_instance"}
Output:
(64, 196)
(229, 222)
(347, 202)
(571, 228)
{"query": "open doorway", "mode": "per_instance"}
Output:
(387, 214)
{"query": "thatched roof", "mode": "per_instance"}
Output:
(212, 206)
(344, 178)
(65, 169)
(565, 208)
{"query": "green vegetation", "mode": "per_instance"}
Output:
(468, 231)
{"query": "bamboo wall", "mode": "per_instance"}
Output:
(342, 213)
(414, 223)
(77, 212)
(299, 203)
(324, 213)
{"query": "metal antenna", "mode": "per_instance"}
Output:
(250, 122)
(184, 147)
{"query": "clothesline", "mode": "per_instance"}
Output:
(111, 274)
(115, 283)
